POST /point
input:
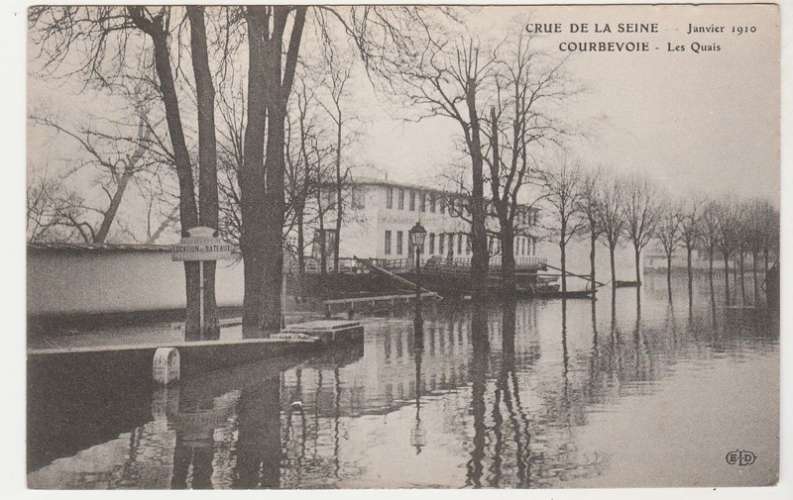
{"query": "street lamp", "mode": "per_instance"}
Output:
(418, 437)
(417, 234)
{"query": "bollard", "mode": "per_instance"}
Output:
(166, 365)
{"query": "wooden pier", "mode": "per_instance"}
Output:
(130, 361)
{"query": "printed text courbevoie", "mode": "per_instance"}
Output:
(604, 47)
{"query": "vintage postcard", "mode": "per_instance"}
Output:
(403, 246)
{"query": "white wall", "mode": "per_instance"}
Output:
(68, 282)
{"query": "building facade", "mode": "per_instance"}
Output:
(381, 214)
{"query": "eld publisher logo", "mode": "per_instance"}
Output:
(740, 457)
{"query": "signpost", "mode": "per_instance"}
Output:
(201, 245)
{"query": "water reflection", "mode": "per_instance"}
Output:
(514, 394)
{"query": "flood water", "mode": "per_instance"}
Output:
(636, 391)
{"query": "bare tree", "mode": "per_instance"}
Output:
(299, 170)
(641, 216)
(563, 185)
(668, 234)
(727, 238)
(336, 82)
(522, 87)
(48, 208)
(770, 217)
(590, 206)
(690, 232)
(709, 234)
(208, 214)
(449, 80)
(612, 218)
(117, 158)
(275, 36)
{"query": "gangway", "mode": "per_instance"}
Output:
(582, 276)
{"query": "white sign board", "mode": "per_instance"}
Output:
(201, 245)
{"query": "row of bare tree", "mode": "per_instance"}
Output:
(260, 170)
(613, 209)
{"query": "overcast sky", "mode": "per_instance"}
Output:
(708, 120)
(705, 121)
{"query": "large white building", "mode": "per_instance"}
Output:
(382, 212)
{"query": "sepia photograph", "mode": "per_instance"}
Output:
(395, 246)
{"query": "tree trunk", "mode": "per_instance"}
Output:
(251, 179)
(669, 275)
(207, 158)
(277, 92)
(754, 277)
(112, 209)
(727, 276)
(480, 257)
(507, 257)
(563, 258)
(301, 240)
(612, 248)
(339, 204)
(690, 276)
(323, 253)
(592, 241)
(735, 279)
(710, 265)
(188, 212)
(743, 284)
(637, 254)
(274, 203)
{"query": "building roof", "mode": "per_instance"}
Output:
(374, 181)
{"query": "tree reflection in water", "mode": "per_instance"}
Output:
(519, 394)
(479, 359)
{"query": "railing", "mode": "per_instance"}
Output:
(404, 264)
(527, 262)
(346, 265)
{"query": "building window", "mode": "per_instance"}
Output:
(358, 197)
(432, 243)
(422, 202)
(451, 243)
(459, 243)
(432, 202)
(467, 244)
(388, 242)
(442, 207)
(412, 201)
(441, 241)
(401, 205)
(389, 197)
(399, 243)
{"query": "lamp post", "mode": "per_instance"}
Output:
(417, 234)
(418, 438)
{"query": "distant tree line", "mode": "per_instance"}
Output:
(628, 210)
